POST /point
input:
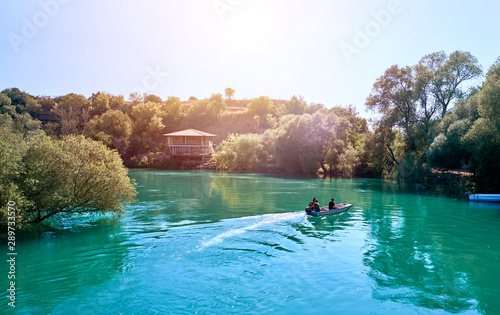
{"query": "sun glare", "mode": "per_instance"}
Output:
(250, 28)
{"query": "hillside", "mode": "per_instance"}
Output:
(236, 119)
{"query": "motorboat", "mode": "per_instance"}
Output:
(341, 207)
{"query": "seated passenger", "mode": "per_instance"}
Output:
(331, 204)
(316, 206)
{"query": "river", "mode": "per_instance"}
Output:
(213, 243)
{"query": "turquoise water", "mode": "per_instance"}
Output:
(214, 243)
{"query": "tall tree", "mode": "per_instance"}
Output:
(147, 125)
(447, 74)
(261, 106)
(174, 113)
(394, 96)
(113, 128)
(483, 138)
(296, 105)
(206, 112)
(229, 92)
(99, 103)
(72, 112)
(413, 99)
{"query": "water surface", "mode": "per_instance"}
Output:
(214, 243)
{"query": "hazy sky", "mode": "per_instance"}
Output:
(329, 52)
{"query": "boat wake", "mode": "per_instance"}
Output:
(262, 220)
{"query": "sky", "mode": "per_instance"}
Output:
(328, 52)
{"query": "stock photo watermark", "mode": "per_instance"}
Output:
(150, 81)
(31, 26)
(224, 6)
(11, 252)
(363, 36)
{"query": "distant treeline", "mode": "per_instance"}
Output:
(430, 117)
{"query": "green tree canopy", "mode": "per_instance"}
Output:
(72, 112)
(261, 106)
(175, 112)
(206, 112)
(411, 100)
(240, 152)
(296, 105)
(21, 102)
(113, 128)
(229, 92)
(72, 175)
(147, 124)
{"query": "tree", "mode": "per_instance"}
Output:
(294, 106)
(13, 146)
(22, 124)
(446, 83)
(229, 92)
(313, 107)
(393, 96)
(260, 106)
(305, 143)
(206, 112)
(240, 152)
(99, 103)
(483, 138)
(113, 128)
(72, 175)
(174, 113)
(147, 125)
(21, 101)
(6, 104)
(413, 99)
(152, 98)
(72, 112)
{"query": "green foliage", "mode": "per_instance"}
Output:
(413, 99)
(313, 107)
(12, 149)
(229, 92)
(306, 143)
(152, 98)
(175, 112)
(206, 112)
(471, 135)
(240, 152)
(45, 177)
(99, 103)
(21, 102)
(261, 106)
(294, 106)
(72, 175)
(147, 125)
(113, 128)
(447, 150)
(72, 112)
(22, 124)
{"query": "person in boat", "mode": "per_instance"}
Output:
(310, 208)
(331, 204)
(316, 205)
(311, 204)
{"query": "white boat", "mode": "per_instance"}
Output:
(485, 197)
(341, 207)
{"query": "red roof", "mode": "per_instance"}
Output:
(190, 133)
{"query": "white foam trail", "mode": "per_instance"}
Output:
(267, 219)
